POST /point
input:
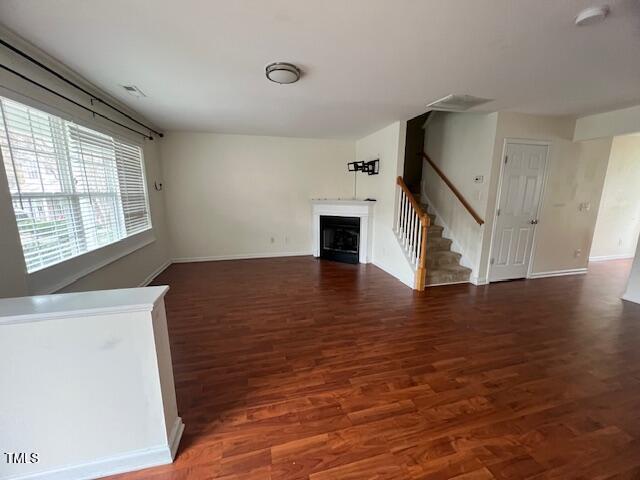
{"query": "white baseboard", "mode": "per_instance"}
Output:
(175, 436)
(558, 273)
(477, 281)
(242, 256)
(136, 460)
(129, 462)
(604, 258)
(155, 273)
(631, 298)
(403, 278)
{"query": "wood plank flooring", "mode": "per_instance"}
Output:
(297, 369)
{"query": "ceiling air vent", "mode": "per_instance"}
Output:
(457, 103)
(134, 91)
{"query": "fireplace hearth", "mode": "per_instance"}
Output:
(340, 238)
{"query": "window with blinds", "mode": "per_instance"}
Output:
(73, 189)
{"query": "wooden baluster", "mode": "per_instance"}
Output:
(407, 219)
(398, 209)
(404, 216)
(414, 250)
(402, 210)
(419, 244)
(411, 229)
(416, 243)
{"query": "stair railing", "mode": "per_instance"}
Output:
(411, 225)
(454, 190)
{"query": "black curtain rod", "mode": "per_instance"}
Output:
(24, 77)
(75, 85)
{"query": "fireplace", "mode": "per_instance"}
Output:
(355, 221)
(340, 238)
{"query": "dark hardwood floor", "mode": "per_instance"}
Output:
(303, 369)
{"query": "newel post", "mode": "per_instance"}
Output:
(421, 271)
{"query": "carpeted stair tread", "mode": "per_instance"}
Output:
(447, 274)
(443, 257)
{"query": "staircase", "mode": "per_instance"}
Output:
(432, 260)
(443, 265)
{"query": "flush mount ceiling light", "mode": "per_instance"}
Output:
(282, 72)
(592, 15)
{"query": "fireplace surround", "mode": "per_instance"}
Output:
(354, 211)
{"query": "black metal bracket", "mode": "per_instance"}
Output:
(372, 167)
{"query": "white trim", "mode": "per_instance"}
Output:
(408, 281)
(558, 273)
(362, 209)
(631, 298)
(241, 256)
(73, 269)
(175, 436)
(72, 305)
(446, 283)
(604, 258)
(545, 178)
(127, 462)
(478, 281)
(155, 273)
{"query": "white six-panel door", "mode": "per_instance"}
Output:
(518, 207)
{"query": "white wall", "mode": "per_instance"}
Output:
(90, 386)
(461, 144)
(239, 196)
(633, 284)
(466, 145)
(608, 124)
(618, 224)
(386, 144)
(575, 175)
(130, 270)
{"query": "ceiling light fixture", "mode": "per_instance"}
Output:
(592, 15)
(282, 72)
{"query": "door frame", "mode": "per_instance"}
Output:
(545, 177)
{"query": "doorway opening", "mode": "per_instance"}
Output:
(617, 227)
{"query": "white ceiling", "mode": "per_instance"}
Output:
(366, 63)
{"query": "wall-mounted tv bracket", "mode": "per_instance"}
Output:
(371, 167)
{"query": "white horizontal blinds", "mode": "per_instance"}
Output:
(95, 177)
(132, 187)
(65, 182)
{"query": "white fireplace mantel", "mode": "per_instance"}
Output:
(362, 209)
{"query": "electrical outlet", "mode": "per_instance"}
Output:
(273, 240)
(577, 253)
(478, 179)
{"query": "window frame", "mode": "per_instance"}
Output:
(58, 275)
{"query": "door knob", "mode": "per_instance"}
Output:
(534, 222)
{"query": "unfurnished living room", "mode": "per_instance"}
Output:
(336, 240)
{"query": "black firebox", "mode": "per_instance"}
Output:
(340, 238)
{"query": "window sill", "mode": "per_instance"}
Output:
(54, 278)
